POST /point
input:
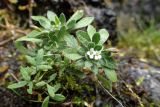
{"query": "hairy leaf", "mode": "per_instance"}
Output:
(59, 97)
(30, 85)
(25, 73)
(103, 35)
(50, 90)
(17, 85)
(40, 84)
(56, 87)
(96, 38)
(71, 41)
(45, 102)
(44, 67)
(39, 57)
(76, 16)
(71, 24)
(98, 47)
(111, 74)
(52, 77)
(44, 22)
(95, 70)
(84, 22)
(72, 54)
(61, 33)
(88, 64)
(51, 16)
(30, 60)
(62, 19)
(29, 39)
(91, 31)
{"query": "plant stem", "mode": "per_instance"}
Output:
(14, 77)
(110, 94)
(65, 104)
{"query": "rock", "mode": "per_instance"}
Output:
(140, 12)
(151, 82)
(132, 70)
(8, 99)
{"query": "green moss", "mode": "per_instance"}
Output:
(143, 44)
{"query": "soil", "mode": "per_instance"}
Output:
(9, 99)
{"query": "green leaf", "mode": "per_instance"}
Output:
(76, 16)
(50, 90)
(83, 37)
(44, 22)
(107, 84)
(35, 33)
(98, 47)
(88, 64)
(91, 45)
(72, 54)
(25, 73)
(111, 74)
(59, 97)
(96, 38)
(56, 87)
(39, 57)
(57, 21)
(103, 35)
(52, 77)
(80, 63)
(17, 85)
(83, 34)
(29, 39)
(54, 38)
(71, 24)
(22, 49)
(109, 62)
(30, 60)
(62, 19)
(84, 22)
(140, 80)
(31, 70)
(44, 67)
(95, 69)
(61, 33)
(30, 85)
(45, 102)
(91, 31)
(40, 84)
(82, 51)
(71, 41)
(51, 16)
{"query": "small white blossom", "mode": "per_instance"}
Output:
(91, 53)
(97, 55)
(94, 54)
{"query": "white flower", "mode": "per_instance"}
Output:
(91, 53)
(97, 55)
(94, 54)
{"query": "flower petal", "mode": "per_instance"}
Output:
(91, 56)
(96, 57)
(99, 56)
(88, 53)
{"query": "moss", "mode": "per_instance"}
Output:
(142, 44)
